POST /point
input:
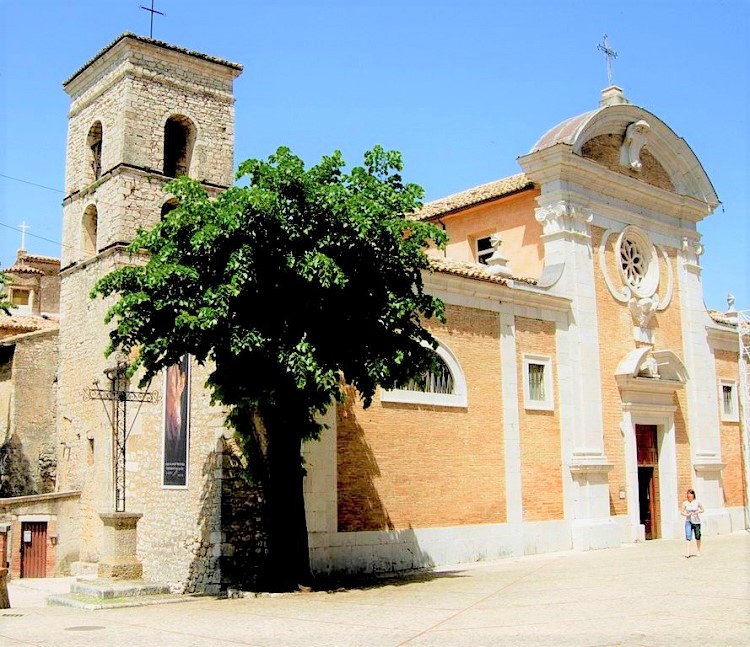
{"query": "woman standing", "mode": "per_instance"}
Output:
(691, 510)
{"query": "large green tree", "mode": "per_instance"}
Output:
(289, 286)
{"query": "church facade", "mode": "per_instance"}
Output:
(585, 386)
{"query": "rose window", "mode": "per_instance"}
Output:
(639, 267)
(633, 263)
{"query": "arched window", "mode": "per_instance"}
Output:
(179, 138)
(89, 225)
(444, 386)
(94, 146)
(169, 205)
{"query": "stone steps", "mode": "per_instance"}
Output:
(108, 594)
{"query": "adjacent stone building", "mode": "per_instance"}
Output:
(29, 449)
(584, 385)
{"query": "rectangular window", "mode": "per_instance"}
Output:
(20, 297)
(484, 249)
(728, 395)
(537, 383)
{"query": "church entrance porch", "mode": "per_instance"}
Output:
(648, 380)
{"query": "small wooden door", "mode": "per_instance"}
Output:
(648, 478)
(34, 549)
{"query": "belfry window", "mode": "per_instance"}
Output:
(89, 227)
(94, 145)
(179, 138)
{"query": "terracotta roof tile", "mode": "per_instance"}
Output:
(473, 271)
(26, 323)
(34, 258)
(723, 318)
(475, 195)
(23, 269)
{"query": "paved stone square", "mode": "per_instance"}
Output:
(645, 595)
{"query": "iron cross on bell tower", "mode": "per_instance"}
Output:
(152, 11)
(119, 395)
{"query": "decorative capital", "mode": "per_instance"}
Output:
(692, 250)
(563, 216)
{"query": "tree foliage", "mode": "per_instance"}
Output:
(5, 304)
(290, 287)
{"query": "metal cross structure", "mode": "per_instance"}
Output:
(23, 227)
(152, 11)
(610, 54)
(119, 395)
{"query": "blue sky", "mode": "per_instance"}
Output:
(460, 88)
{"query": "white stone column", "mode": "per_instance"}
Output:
(320, 488)
(512, 432)
(567, 241)
(702, 398)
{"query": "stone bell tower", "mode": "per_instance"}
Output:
(142, 112)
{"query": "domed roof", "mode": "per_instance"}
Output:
(613, 117)
(563, 133)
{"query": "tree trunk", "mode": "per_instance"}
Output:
(288, 564)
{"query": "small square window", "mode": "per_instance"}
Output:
(728, 396)
(537, 383)
(484, 249)
(19, 297)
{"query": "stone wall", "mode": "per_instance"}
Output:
(60, 512)
(30, 436)
(132, 88)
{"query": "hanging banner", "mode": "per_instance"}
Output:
(176, 427)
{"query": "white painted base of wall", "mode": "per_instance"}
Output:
(716, 522)
(399, 550)
(630, 533)
(546, 537)
(595, 534)
(739, 518)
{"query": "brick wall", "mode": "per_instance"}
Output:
(402, 465)
(730, 432)
(616, 325)
(541, 467)
(605, 149)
